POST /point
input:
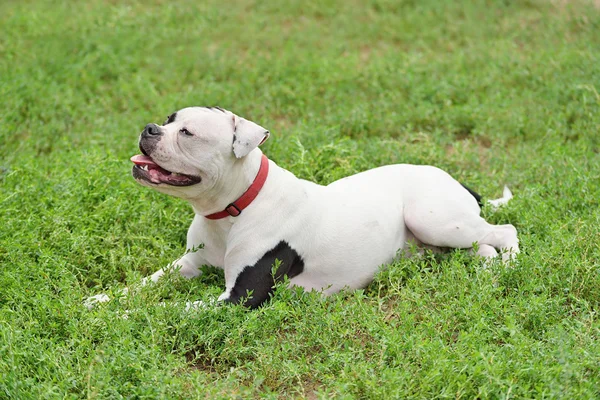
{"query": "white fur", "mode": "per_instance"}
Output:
(344, 231)
(506, 196)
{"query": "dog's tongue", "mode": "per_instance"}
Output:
(157, 174)
(142, 160)
(155, 169)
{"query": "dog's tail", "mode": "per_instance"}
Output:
(506, 196)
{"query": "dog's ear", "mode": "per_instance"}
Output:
(247, 136)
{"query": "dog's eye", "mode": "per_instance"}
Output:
(186, 132)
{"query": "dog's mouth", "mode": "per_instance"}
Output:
(146, 169)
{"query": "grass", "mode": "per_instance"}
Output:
(494, 92)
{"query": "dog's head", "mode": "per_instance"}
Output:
(194, 149)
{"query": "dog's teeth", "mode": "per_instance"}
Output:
(174, 174)
(145, 167)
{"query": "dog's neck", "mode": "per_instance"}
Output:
(229, 190)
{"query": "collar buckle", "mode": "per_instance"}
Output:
(233, 210)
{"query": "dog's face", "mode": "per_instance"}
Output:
(193, 150)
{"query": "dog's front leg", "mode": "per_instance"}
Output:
(188, 266)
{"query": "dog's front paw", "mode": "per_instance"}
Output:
(195, 305)
(91, 302)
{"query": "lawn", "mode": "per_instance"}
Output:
(495, 92)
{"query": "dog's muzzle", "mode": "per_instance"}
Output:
(149, 138)
(146, 169)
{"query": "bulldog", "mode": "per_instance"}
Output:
(259, 222)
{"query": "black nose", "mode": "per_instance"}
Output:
(152, 130)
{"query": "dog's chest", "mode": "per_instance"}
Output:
(214, 251)
(213, 257)
(211, 239)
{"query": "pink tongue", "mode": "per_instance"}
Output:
(142, 160)
(156, 173)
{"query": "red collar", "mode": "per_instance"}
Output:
(234, 209)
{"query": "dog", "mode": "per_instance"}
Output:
(259, 222)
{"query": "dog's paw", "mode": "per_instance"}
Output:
(91, 302)
(195, 305)
(202, 305)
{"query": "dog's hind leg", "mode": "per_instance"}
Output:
(485, 250)
(503, 238)
(454, 221)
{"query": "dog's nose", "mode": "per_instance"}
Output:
(152, 130)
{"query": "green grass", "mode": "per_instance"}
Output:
(494, 92)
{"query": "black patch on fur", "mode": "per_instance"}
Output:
(171, 118)
(474, 194)
(259, 279)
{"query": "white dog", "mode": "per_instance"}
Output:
(250, 214)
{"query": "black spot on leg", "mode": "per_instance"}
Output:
(259, 279)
